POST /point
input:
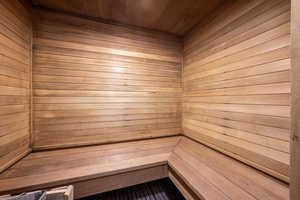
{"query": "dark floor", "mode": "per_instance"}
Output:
(162, 189)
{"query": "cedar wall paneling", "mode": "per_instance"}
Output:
(15, 74)
(237, 83)
(97, 83)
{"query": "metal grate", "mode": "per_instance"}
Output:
(162, 189)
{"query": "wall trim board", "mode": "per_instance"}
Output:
(29, 7)
(295, 127)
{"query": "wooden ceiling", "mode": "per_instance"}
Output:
(173, 16)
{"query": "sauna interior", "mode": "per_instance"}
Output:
(106, 94)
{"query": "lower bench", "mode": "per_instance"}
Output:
(72, 166)
(198, 171)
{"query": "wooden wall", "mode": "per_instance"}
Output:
(15, 74)
(237, 83)
(98, 83)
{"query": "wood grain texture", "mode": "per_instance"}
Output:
(198, 170)
(185, 190)
(213, 175)
(15, 73)
(237, 83)
(118, 181)
(85, 164)
(99, 83)
(295, 127)
(174, 16)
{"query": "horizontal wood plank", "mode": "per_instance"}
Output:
(237, 84)
(101, 83)
(15, 82)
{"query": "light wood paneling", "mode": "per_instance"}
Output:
(99, 83)
(295, 128)
(237, 83)
(15, 78)
(175, 16)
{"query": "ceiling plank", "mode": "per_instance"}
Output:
(172, 16)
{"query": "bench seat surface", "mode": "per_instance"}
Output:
(215, 176)
(209, 174)
(58, 167)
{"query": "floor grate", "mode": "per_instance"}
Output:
(162, 189)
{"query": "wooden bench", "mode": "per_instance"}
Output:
(105, 166)
(213, 175)
(198, 171)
